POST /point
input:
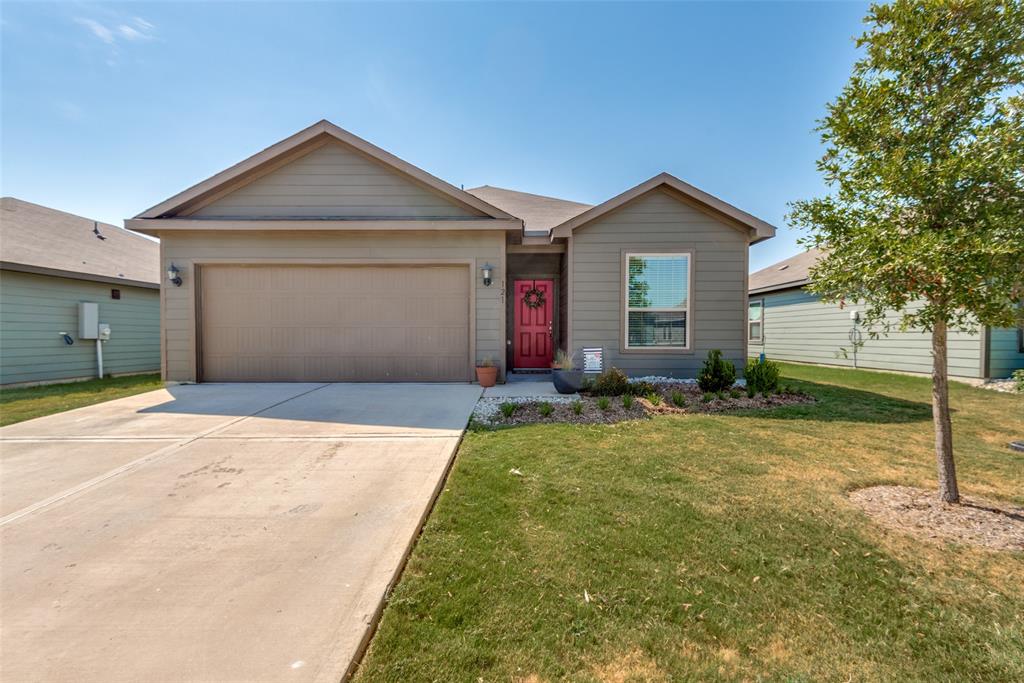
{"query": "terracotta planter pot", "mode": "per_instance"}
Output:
(487, 377)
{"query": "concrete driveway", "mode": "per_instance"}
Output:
(216, 532)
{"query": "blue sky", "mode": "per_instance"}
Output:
(108, 109)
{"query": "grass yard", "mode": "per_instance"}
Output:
(18, 405)
(713, 547)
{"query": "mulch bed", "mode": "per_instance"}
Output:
(693, 402)
(920, 513)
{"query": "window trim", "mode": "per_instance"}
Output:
(760, 340)
(624, 301)
(1020, 338)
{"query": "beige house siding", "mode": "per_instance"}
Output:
(659, 221)
(187, 250)
(334, 180)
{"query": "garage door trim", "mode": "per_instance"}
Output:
(197, 266)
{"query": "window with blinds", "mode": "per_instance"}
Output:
(657, 301)
(755, 321)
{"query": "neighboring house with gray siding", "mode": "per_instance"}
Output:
(788, 322)
(326, 258)
(50, 262)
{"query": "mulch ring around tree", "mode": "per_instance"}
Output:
(673, 399)
(920, 513)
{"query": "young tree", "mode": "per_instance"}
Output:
(925, 157)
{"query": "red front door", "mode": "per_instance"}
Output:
(532, 341)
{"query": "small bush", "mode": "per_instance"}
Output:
(545, 409)
(654, 399)
(611, 382)
(735, 393)
(788, 389)
(1018, 380)
(762, 377)
(508, 409)
(750, 392)
(708, 397)
(627, 401)
(717, 373)
(678, 399)
(603, 403)
(720, 395)
(577, 407)
(642, 388)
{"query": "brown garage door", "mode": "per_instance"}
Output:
(264, 323)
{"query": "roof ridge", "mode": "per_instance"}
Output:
(531, 194)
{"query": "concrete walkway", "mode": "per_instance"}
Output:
(214, 532)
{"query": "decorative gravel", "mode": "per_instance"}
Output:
(920, 513)
(661, 379)
(489, 406)
(1007, 386)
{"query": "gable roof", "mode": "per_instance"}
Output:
(251, 168)
(38, 239)
(792, 272)
(539, 213)
(759, 229)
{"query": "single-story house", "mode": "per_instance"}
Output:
(52, 261)
(326, 258)
(787, 322)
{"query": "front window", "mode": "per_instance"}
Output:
(657, 301)
(755, 320)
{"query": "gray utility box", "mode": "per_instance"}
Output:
(88, 320)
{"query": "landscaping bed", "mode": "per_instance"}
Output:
(656, 396)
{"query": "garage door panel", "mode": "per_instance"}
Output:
(335, 323)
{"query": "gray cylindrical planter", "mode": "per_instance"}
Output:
(567, 381)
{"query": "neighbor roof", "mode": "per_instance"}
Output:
(760, 230)
(250, 169)
(539, 213)
(792, 272)
(38, 239)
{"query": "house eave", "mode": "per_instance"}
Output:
(74, 275)
(155, 226)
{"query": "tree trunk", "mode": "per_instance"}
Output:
(948, 490)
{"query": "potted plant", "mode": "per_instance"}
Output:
(566, 379)
(487, 372)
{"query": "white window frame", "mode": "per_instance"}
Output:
(750, 339)
(626, 308)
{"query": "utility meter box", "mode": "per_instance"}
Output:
(103, 331)
(88, 320)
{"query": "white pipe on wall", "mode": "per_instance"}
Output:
(99, 358)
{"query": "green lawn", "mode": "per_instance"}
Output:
(17, 405)
(716, 547)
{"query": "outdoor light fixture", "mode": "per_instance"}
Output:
(174, 275)
(487, 270)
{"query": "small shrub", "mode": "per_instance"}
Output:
(577, 407)
(654, 398)
(642, 388)
(762, 377)
(735, 393)
(627, 401)
(1018, 380)
(611, 382)
(545, 409)
(788, 389)
(678, 399)
(720, 395)
(717, 373)
(750, 392)
(708, 397)
(603, 403)
(508, 409)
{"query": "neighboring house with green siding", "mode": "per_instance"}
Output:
(787, 322)
(50, 262)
